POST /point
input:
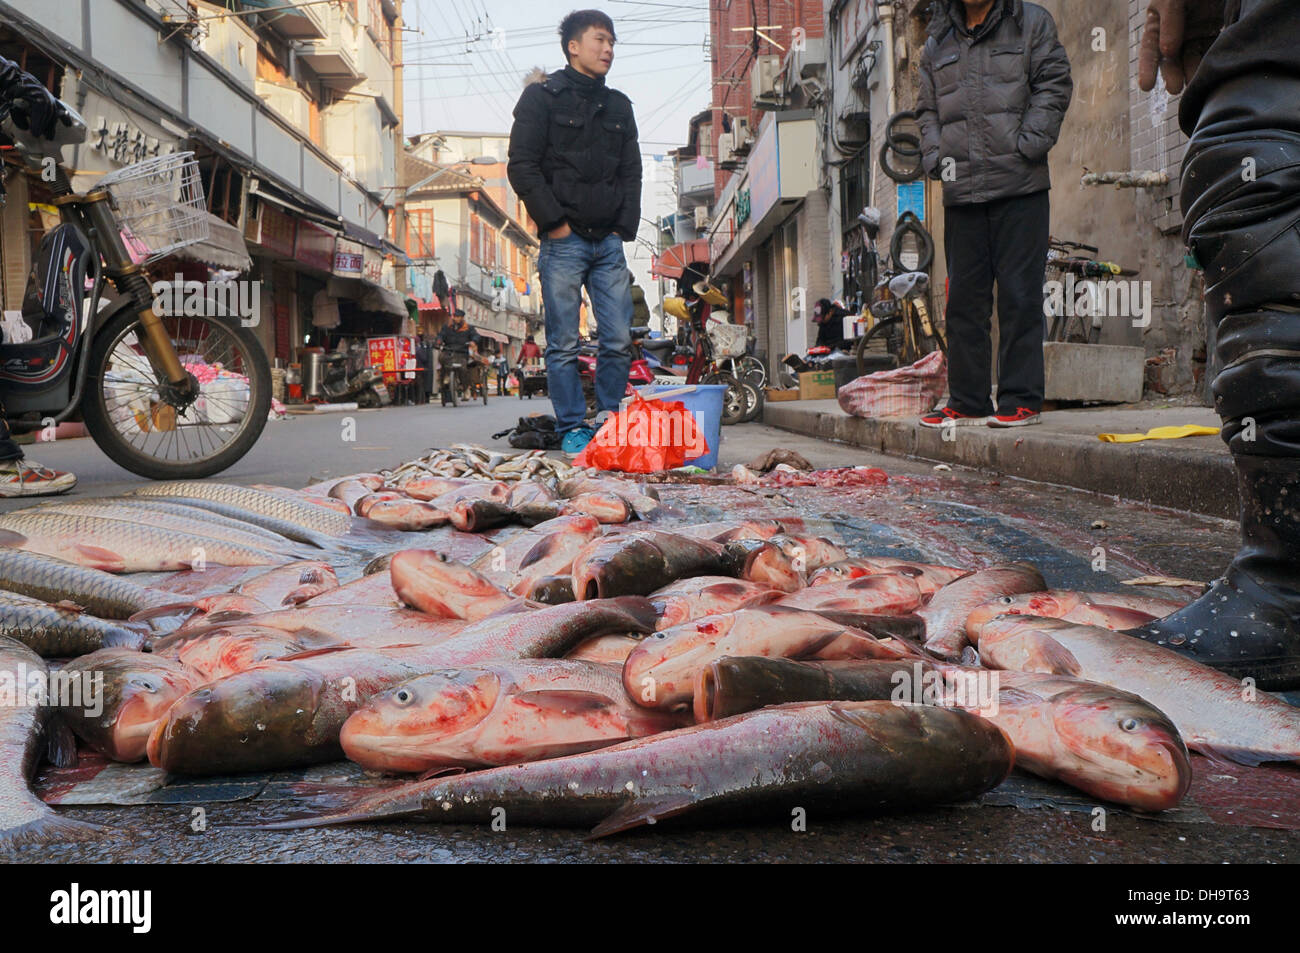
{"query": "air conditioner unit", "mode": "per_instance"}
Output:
(701, 217)
(726, 146)
(742, 134)
(765, 82)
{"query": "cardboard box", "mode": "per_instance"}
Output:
(817, 385)
(775, 394)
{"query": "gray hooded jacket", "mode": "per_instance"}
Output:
(991, 102)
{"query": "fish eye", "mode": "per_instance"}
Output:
(143, 683)
(403, 696)
(660, 635)
(1006, 600)
(1129, 724)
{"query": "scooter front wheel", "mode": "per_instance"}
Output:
(145, 425)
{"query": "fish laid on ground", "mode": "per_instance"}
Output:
(552, 554)
(946, 613)
(273, 506)
(239, 647)
(1215, 713)
(538, 511)
(606, 507)
(732, 685)
(837, 758)
(429, 581)
(335, 623)
(1101, 740)
(116, 697)
(724, 531)
(1117, 610)
(55, 632)
(119, 546)
(169, 521)
(530, 491)
(429, 488)
(551, 590)
(879, 595)
(639, 563)
(809, 553)
(291, 583)
(502, 562)
(605, 650)
(760, 561)
(55, 580)
(285, 713)
(661, 671)
(25, 719)
(497, 713)
(407, 516)
(477, 490)
(144, 508)
(643, 499)
(478, 516)
(375, 589)
(928, 577)
(1106, 742)
(701, 596)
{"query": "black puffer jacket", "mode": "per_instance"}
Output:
(574, 156)
(991, 103)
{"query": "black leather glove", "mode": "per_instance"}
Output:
(40, 109)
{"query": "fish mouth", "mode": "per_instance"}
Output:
(375, 749)
(705, 694)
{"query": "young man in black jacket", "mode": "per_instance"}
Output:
(995, 84)
(575, 162)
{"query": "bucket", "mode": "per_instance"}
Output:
(704, 401)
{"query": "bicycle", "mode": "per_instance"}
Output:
(1083, 325)
(902, 327)
(163, 392)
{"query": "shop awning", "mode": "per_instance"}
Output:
(671, 263)
(493, 335)
(378, 298)
(433, 303)
(223, 249)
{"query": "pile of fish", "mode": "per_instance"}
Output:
(602, 663)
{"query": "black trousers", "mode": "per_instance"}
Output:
(1002, 242)
(1241, 210)
(8, 449)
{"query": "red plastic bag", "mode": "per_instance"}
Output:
(646, 436)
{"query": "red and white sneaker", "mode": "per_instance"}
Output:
(24, 478)
(947, 417)
(1023, 417)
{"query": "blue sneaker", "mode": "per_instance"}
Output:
(576, 439)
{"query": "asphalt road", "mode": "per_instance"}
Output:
(930, 514)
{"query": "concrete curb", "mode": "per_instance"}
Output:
(1155, 472)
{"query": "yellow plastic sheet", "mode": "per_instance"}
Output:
(1160, 433)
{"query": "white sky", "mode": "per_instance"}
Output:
(660, 62)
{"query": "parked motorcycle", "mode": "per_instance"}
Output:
(363, 386)
(174, 395)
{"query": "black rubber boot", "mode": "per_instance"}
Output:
(1248, 623)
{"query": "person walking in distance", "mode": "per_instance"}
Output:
(575, 162)
(995, 85)
(1239, 108)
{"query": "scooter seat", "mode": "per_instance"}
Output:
(659, 345)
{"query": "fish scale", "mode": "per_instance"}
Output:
(60, 633)
(120, 546)
(162, 520)
(315, 518)
(178, 508)
(54, 580)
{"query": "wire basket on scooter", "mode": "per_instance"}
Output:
(728, 339)
(160, 205)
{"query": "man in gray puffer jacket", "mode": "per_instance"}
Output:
(995, 84)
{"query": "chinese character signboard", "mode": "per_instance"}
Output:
(390, 354)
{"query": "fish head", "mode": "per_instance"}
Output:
(417, 725)
(1129, 747)
(440, 586)
(132, 692)
(665, 662)
(262, 717)
(765, 562)
(1024, 643)
(1046, 604)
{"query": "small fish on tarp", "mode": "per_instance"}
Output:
(55, 632)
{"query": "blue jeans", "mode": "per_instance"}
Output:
(565, 265)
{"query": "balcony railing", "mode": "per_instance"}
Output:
(296, 23)
(336, 60)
